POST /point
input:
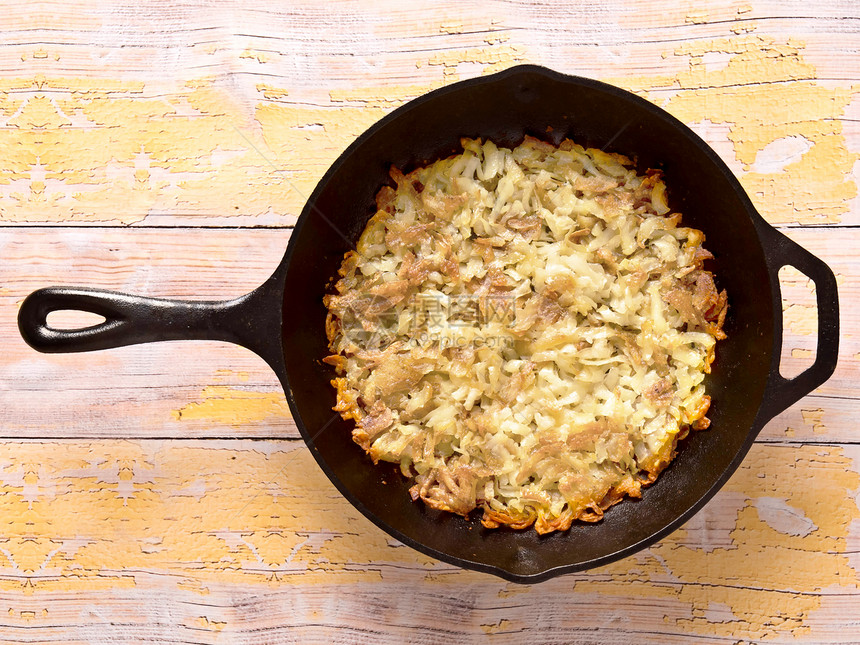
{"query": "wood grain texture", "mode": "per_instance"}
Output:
(160, 493)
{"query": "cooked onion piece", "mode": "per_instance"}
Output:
(525, 331)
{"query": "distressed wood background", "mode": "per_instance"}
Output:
(160, 493)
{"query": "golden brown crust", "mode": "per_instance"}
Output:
(493, 519)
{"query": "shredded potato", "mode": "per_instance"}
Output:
(525, 331)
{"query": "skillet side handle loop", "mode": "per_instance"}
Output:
(253, 320)
(781, 251)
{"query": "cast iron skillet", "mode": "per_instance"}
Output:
(283, 320)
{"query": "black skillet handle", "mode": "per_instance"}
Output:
(252, 320)
(781, 251)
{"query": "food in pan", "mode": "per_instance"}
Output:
(525, 331)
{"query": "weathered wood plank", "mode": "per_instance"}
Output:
(211, 389)
(257, 103)
(248, 541)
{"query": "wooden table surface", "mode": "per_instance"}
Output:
(161, 493)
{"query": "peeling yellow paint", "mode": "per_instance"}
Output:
(301, 152)
(104, 150)
(268, 514)
(233, 407)
(510, 590)
(495, 39)
(494, 628)
(97, 150)
(271, 93)
(814, 418)
(771, 581)
(791, 278)
(193, 587)
(746, 28)
(260, 57)
(214, 625)
(801, 320)
(696, 18)
(264, 516)
(227, 374)
(784, 101)
(491, 59)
